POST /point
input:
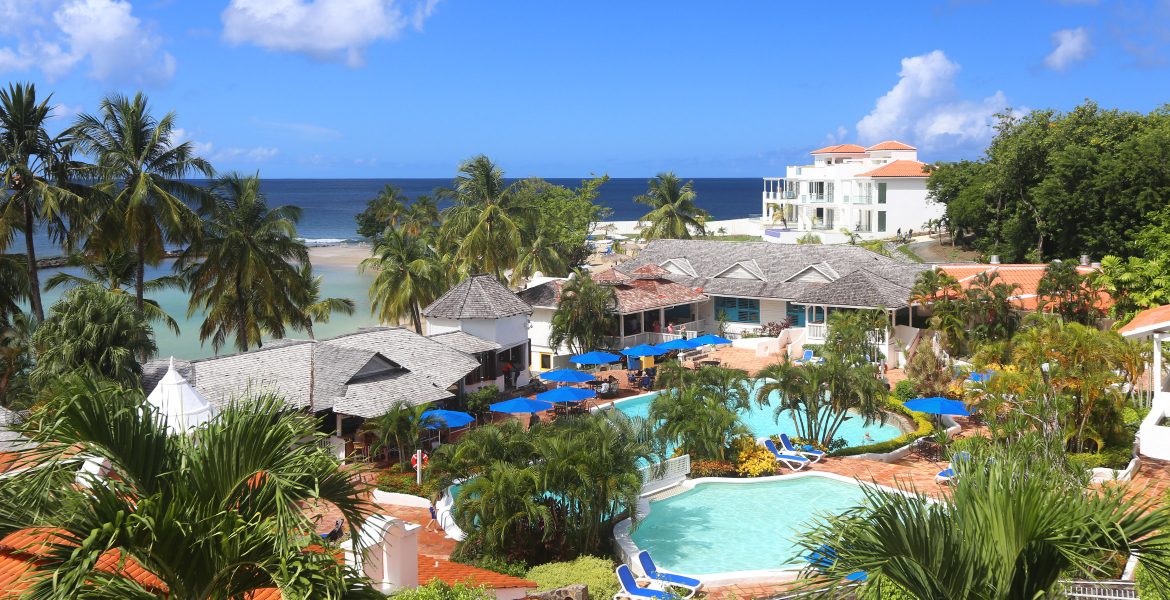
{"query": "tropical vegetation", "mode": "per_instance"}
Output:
(584, 319)
(697, 412)
(673, 211)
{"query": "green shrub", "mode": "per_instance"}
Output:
(395, 481)
(893, 591)
(925, 427)
(904, 390)
(437, 590)
(1114, 457)
(712, 468)
(1148, 584)
(594, 572)
(479, 402)
(497, 564)
(970, 445)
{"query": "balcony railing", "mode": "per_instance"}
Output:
(693, 330)
(858, 199)
(816, 332)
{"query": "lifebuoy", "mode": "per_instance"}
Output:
(414, 460)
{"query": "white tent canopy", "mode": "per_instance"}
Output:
(179, 403)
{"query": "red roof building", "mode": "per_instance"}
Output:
(899, 168)
(1026, 278)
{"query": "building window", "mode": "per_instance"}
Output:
(882, 194)
(545, 361)
(881, 221)
(738, 310)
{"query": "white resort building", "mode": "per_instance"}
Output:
(873, 192)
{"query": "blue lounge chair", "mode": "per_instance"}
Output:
(795, 462)
(807, 451)
(809, 359)
(949, 474)
(653, 572)
(630, 589)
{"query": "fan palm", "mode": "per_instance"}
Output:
(141, 170)
(1012, 528)
(673, 213)
(91, 328)
(34, 164)
(243, 269)
(410, 275)
(114, 272)
(583, 320)
(312, 307)
(483, 224)
(216, 514)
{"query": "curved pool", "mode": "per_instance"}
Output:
(750, 525)
(763, 423)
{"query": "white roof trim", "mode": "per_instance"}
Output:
(682, 264)
(831, 276)
(750, 266)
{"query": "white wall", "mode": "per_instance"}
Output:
(906, 205)
(541, 323)
(772, 311)
(437, 326)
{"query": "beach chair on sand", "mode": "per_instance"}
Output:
(631, 591)
(807, 451)
(653, 572)
(792, 461)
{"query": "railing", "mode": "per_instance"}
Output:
(857, 199)
(1099, 589)
(822, 225)
(816, 332)
(674, 470)
(651, 338)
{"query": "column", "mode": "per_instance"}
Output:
(1158, 337)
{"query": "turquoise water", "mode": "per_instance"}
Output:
(763, 423)
(339, 282)
(718, 527)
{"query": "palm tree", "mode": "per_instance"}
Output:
(386, 210)
(243, 269)
(218, 513)
(314, 308)
(410, 275)
(14, 287)
(401, 427)
(91, 328)
(114, 271)
(1012, 527)
(421, 215)
(697, 420)
(673, 211)
(482, 225)
(141, 169)
(820, 397)
(34, 163)
(583, 319)
(16, 332)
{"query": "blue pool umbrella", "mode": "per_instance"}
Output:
(980, 376)
(566, 394)
(937, 406)
(447, 418)
(678, 344)
(566, 376)
(595, 358)
(644, 350)
(704, 340)
(521, 405)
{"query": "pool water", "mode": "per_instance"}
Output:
(719, 527)
(763, 423)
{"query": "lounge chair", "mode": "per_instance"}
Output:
(792, 461)
(807, 451)
(653, 572)
(809, 359)
(949, 474)
(630, 589)
(824, 557)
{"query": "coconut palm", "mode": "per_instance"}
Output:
(697, 420)
(312, 308)
(16, 360)
(141, 167)
(673, 213)
(421, 216)
(14, 286)
(483, 226)
(91, 328)
(583, 320)
(934, 286)
(243, 268)
(1012, 527)
(410, 275)
(400, 428)
(114, 272)
(820, 397)
(218, 513)
(386, 210)
(34, 163)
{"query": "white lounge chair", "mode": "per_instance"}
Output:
(809, 453)
(795, 462)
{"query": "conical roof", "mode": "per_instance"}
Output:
(179, 403)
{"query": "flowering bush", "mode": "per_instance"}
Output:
(712, 468)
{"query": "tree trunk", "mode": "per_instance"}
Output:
(140, 275)
(34, 283)
(309, 329)
(416, 319)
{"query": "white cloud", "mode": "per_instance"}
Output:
(334, 30)
(837, 136)
(1070, 46)
(208, 150)
(55, 36)
(925, 108)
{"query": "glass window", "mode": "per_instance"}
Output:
(881, 221)
(545, 361)
(738, 310)
(882, 193)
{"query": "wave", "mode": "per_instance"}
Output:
(329, 241)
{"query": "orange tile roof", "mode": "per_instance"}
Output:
(451, 573)
(1147, 320)
(899, 168)
(890, 145)
(1026, 278)
(840, 149)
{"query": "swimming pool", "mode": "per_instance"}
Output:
(721, 527)
(762, 422)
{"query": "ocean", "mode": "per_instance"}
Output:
(329, 207)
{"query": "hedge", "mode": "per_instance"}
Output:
(925, 428)
(594, 572)
(437, 590)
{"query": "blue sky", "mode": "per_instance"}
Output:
(381, 88)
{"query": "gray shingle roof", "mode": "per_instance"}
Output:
(777, 263)
(465, 342)
(360, 374)
(860, 288)
(477, 297)
(544, 294)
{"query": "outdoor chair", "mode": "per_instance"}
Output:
(653, 572)
(631, 591)
(806, 451)
(792, 461)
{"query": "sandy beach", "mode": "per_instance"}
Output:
(347, 255)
